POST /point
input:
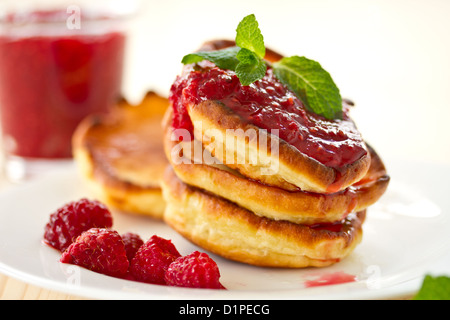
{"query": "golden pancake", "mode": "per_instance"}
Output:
(235, 233)
(293, 169)
(121, 155)
(273, 202)
(236, 142)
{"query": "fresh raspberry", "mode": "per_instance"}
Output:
(196, 270)
(132, 243)
(100, 250)
(69, 221)
(152, 260)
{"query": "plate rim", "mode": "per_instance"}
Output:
(352, 290)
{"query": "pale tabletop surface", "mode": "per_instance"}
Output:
(14, 289)
(390, 57)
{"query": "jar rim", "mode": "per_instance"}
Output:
(52, 16)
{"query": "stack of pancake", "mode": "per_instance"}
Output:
(121, 156)
(302, 214)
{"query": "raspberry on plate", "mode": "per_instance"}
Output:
(152, 260)
(132, 243)
(196, 270)
(69, 221)
(100, 250)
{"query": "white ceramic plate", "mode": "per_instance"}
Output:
(405, 236)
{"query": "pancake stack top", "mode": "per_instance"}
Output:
(256, 177)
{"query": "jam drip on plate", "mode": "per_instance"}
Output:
(268, 104)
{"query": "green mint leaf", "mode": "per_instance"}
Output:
(250, 68)
(248, 36)
(434, 288)
(313, 85)
(246, 58)
(224, 59)
(306, 78)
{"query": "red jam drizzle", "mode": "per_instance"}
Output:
(269, 104)
(330, 279)
(332, 227)
(344, 225)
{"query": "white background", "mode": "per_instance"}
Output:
(391, 57)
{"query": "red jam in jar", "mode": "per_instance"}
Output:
(50, 81)
(269, 104)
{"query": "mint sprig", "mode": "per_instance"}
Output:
(249, 36)
(251, 68)
(246, 59)
(312, 84)
(224, 59)
(434, 288)
(305, 77)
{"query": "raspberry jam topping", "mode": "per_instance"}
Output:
(344, 225)
(269, 104)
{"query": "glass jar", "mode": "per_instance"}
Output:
(59, 62)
